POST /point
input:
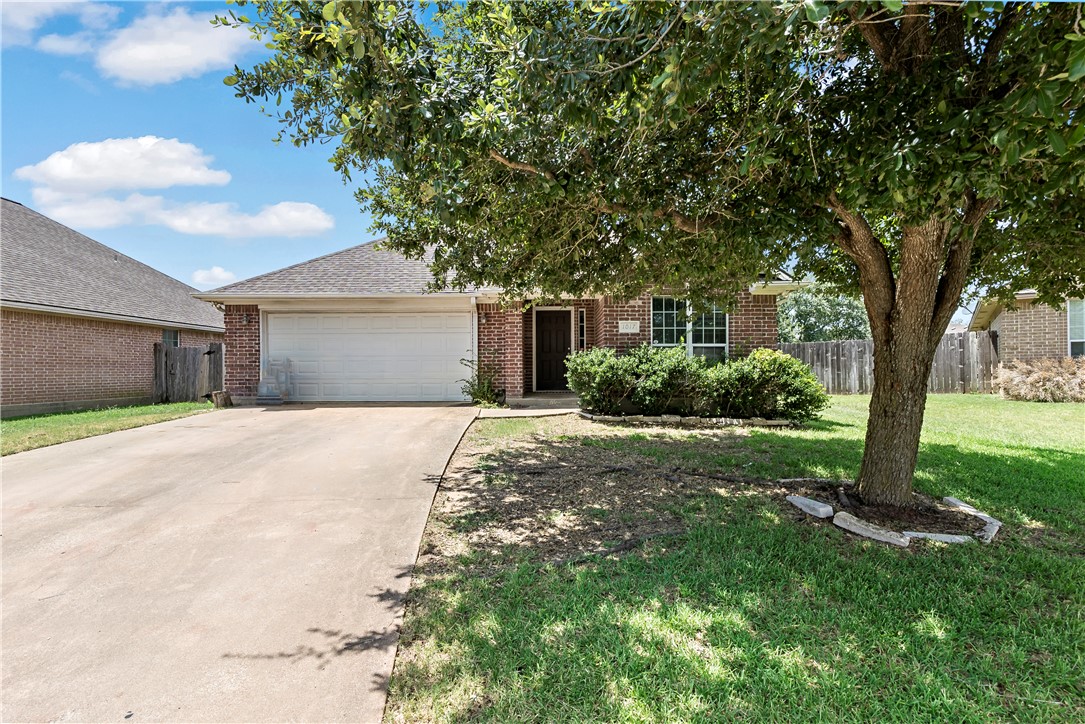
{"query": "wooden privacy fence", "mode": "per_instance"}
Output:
(187, 374)
(963, 362)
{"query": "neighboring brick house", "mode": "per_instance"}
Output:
(1030, 330)
(79, 320)
(358, 325)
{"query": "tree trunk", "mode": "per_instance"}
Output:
(896, 419)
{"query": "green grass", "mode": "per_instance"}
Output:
(18, 434)
(754, 616)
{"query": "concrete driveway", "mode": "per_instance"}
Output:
(242, 565)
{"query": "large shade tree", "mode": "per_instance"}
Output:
(903, 150)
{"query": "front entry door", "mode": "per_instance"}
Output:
(552, 346)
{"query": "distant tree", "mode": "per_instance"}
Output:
(898, 150)
(820, 314)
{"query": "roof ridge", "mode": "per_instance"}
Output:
(295, 266)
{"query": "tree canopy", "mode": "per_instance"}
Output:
(900, 150)
(821, 314)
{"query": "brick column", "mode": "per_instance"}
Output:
(501, 341)
(242, 349)
(753, 324)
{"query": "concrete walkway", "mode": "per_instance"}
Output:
(242, 565)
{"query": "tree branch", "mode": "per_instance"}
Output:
(519, 166)
(955, 270)
(858, 241)
(1006, 20)
(688, 224)
(880, 38)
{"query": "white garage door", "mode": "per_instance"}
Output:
(372, 357)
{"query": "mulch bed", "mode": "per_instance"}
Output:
(927, 514)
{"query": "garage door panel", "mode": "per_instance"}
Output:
(360, 357)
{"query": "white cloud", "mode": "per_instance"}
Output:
(88, 211)
(166, 47)
(216, 276)
(21, 20)
(148, 162)
(287, 218)
(76, 44)
(71, 186)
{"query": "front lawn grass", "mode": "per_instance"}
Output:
(756, 613)
(18, 434)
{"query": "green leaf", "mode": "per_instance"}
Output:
(816, 10)
(329, 11)
(894, 5)
(230, 80)
(1058, 144)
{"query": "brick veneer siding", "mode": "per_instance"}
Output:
(53, 362)
(501, 340)
(609, 311)
(753, 324)
(242, 349)
(1032, 331)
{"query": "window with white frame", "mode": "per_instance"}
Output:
(1075, 311)
(673, 324)
(171, 337)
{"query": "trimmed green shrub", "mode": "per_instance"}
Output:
(657, 380)
(1045, 380)
(600, 378)
(667, 379)
(766, 384)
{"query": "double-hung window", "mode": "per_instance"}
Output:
(1075, 311)
(171, 337)
(674, 324)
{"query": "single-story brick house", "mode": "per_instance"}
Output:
(80, 319)
(1030, 330)
(358, 325)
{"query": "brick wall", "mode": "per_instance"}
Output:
(1032, 331)
(242, 349)
(610, 311)
(52, 362)
(501, 338)
(753, 323)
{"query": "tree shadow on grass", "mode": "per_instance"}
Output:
(752, 612)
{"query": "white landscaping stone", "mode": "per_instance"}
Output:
(671, 418)
(850, 523)
(989, 531)
(813, 507)
(993, 524)
(940, 537)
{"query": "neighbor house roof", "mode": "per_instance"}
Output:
(45, 266)
(360, 271)
(987, 310)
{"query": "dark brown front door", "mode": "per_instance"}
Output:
(551, 347)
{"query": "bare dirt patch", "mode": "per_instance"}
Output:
(563, 488)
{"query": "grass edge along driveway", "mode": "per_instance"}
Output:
(19, 434)
(757, 614)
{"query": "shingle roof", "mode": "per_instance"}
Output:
(363, 270)
(45, 264)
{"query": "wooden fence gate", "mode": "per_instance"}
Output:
(963, 362)
(187, 374)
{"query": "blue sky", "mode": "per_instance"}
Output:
(116, 122)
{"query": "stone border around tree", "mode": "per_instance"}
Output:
(853, 524)
(691, 421)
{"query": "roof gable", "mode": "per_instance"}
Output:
(45, 264)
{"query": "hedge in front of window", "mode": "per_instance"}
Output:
(657, 380)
